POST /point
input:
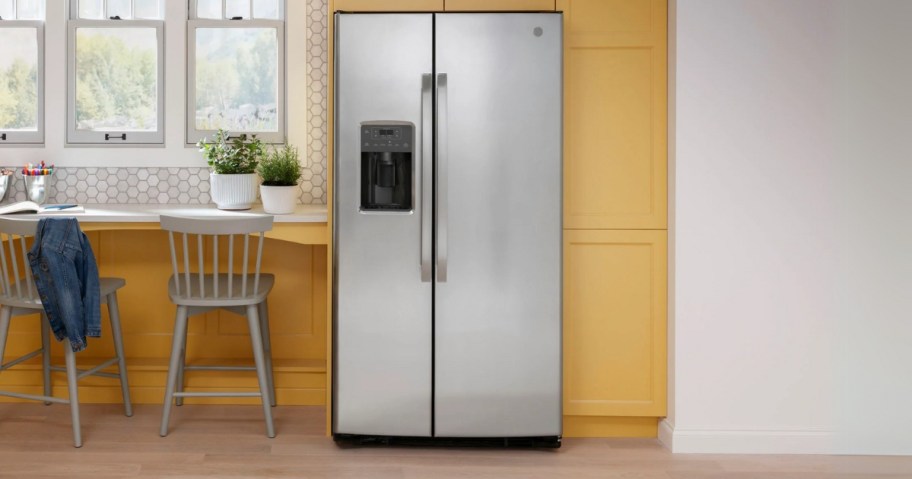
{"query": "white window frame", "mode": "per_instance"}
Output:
(16, 137)
(193, 134)
(122, 137)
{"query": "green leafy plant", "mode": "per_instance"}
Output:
(232, 156)
(280, 167)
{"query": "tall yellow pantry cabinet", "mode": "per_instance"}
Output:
(615, 216)
(615, 205)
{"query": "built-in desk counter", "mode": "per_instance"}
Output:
(128, 243)
(307, 225)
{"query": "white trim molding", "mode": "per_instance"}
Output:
(719, 441)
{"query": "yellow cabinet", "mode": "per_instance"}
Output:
(498, 5)
(615, 216)
(387, 5)
(614, 323)
(615, 115)
(442, 5)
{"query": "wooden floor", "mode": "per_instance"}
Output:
(229, 442)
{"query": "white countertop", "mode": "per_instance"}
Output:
(133, 213)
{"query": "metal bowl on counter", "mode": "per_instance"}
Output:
(38, 187)
(6, 184)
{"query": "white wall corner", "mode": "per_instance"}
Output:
(666, 434)
(683, 441)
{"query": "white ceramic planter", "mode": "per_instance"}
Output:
(279, 200)
(233, 192)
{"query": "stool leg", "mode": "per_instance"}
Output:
(177, 344)
(180, 371)
(114, 316)
(71, 372)
(267, 350)
(6, 313)
(256, 339)
(46, 355)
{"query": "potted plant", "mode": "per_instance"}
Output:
(280, 171)
(233, 161)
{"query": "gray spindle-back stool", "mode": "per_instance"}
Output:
(19, 297)
(239, 288)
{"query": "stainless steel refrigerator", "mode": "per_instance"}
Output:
(447, 226)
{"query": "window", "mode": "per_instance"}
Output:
(22, 71)
(115, 70)
(236, 68)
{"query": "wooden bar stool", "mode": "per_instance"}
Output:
(19, 297)
(239, 289)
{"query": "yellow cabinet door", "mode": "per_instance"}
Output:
(615, 104)
(498, 5)
(387, 5)
(614, 323)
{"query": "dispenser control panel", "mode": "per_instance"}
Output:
(393, 138)
(387, 166)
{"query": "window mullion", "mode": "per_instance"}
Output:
(225, 10)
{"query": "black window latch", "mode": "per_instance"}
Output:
(109, 136)
(115, 17)
(237, 18)
(3, 136)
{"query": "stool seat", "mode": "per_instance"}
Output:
(227, 290)
(107, 286)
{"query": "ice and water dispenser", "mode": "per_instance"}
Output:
(386, 166)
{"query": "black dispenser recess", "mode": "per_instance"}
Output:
(386, 166)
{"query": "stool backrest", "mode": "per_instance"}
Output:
(13, 251)
(208, 231)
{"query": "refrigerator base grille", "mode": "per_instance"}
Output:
(548, 442)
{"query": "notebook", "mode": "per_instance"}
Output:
(26, 207)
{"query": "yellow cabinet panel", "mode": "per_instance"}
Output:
(614, 323)
(387, 5)
(615, 110)
(297, 303)
(498, 5)
(609, 137)
(588, 16)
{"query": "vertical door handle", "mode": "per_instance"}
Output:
(427, 178)
(442, 187)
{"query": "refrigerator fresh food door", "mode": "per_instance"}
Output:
(498, 281)
(382, 367)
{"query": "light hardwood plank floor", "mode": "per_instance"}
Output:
(229, 442)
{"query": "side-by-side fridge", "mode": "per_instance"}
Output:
(447, 227)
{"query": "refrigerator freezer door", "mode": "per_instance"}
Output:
(382, 367)
(498, 311)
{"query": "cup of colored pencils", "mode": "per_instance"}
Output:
(37, 181)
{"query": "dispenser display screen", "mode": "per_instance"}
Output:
(386, 133)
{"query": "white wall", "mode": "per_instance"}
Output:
(175, 152)
(792, 226)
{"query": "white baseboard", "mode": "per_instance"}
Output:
(745, 442)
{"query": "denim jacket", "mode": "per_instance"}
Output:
(66, 275)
